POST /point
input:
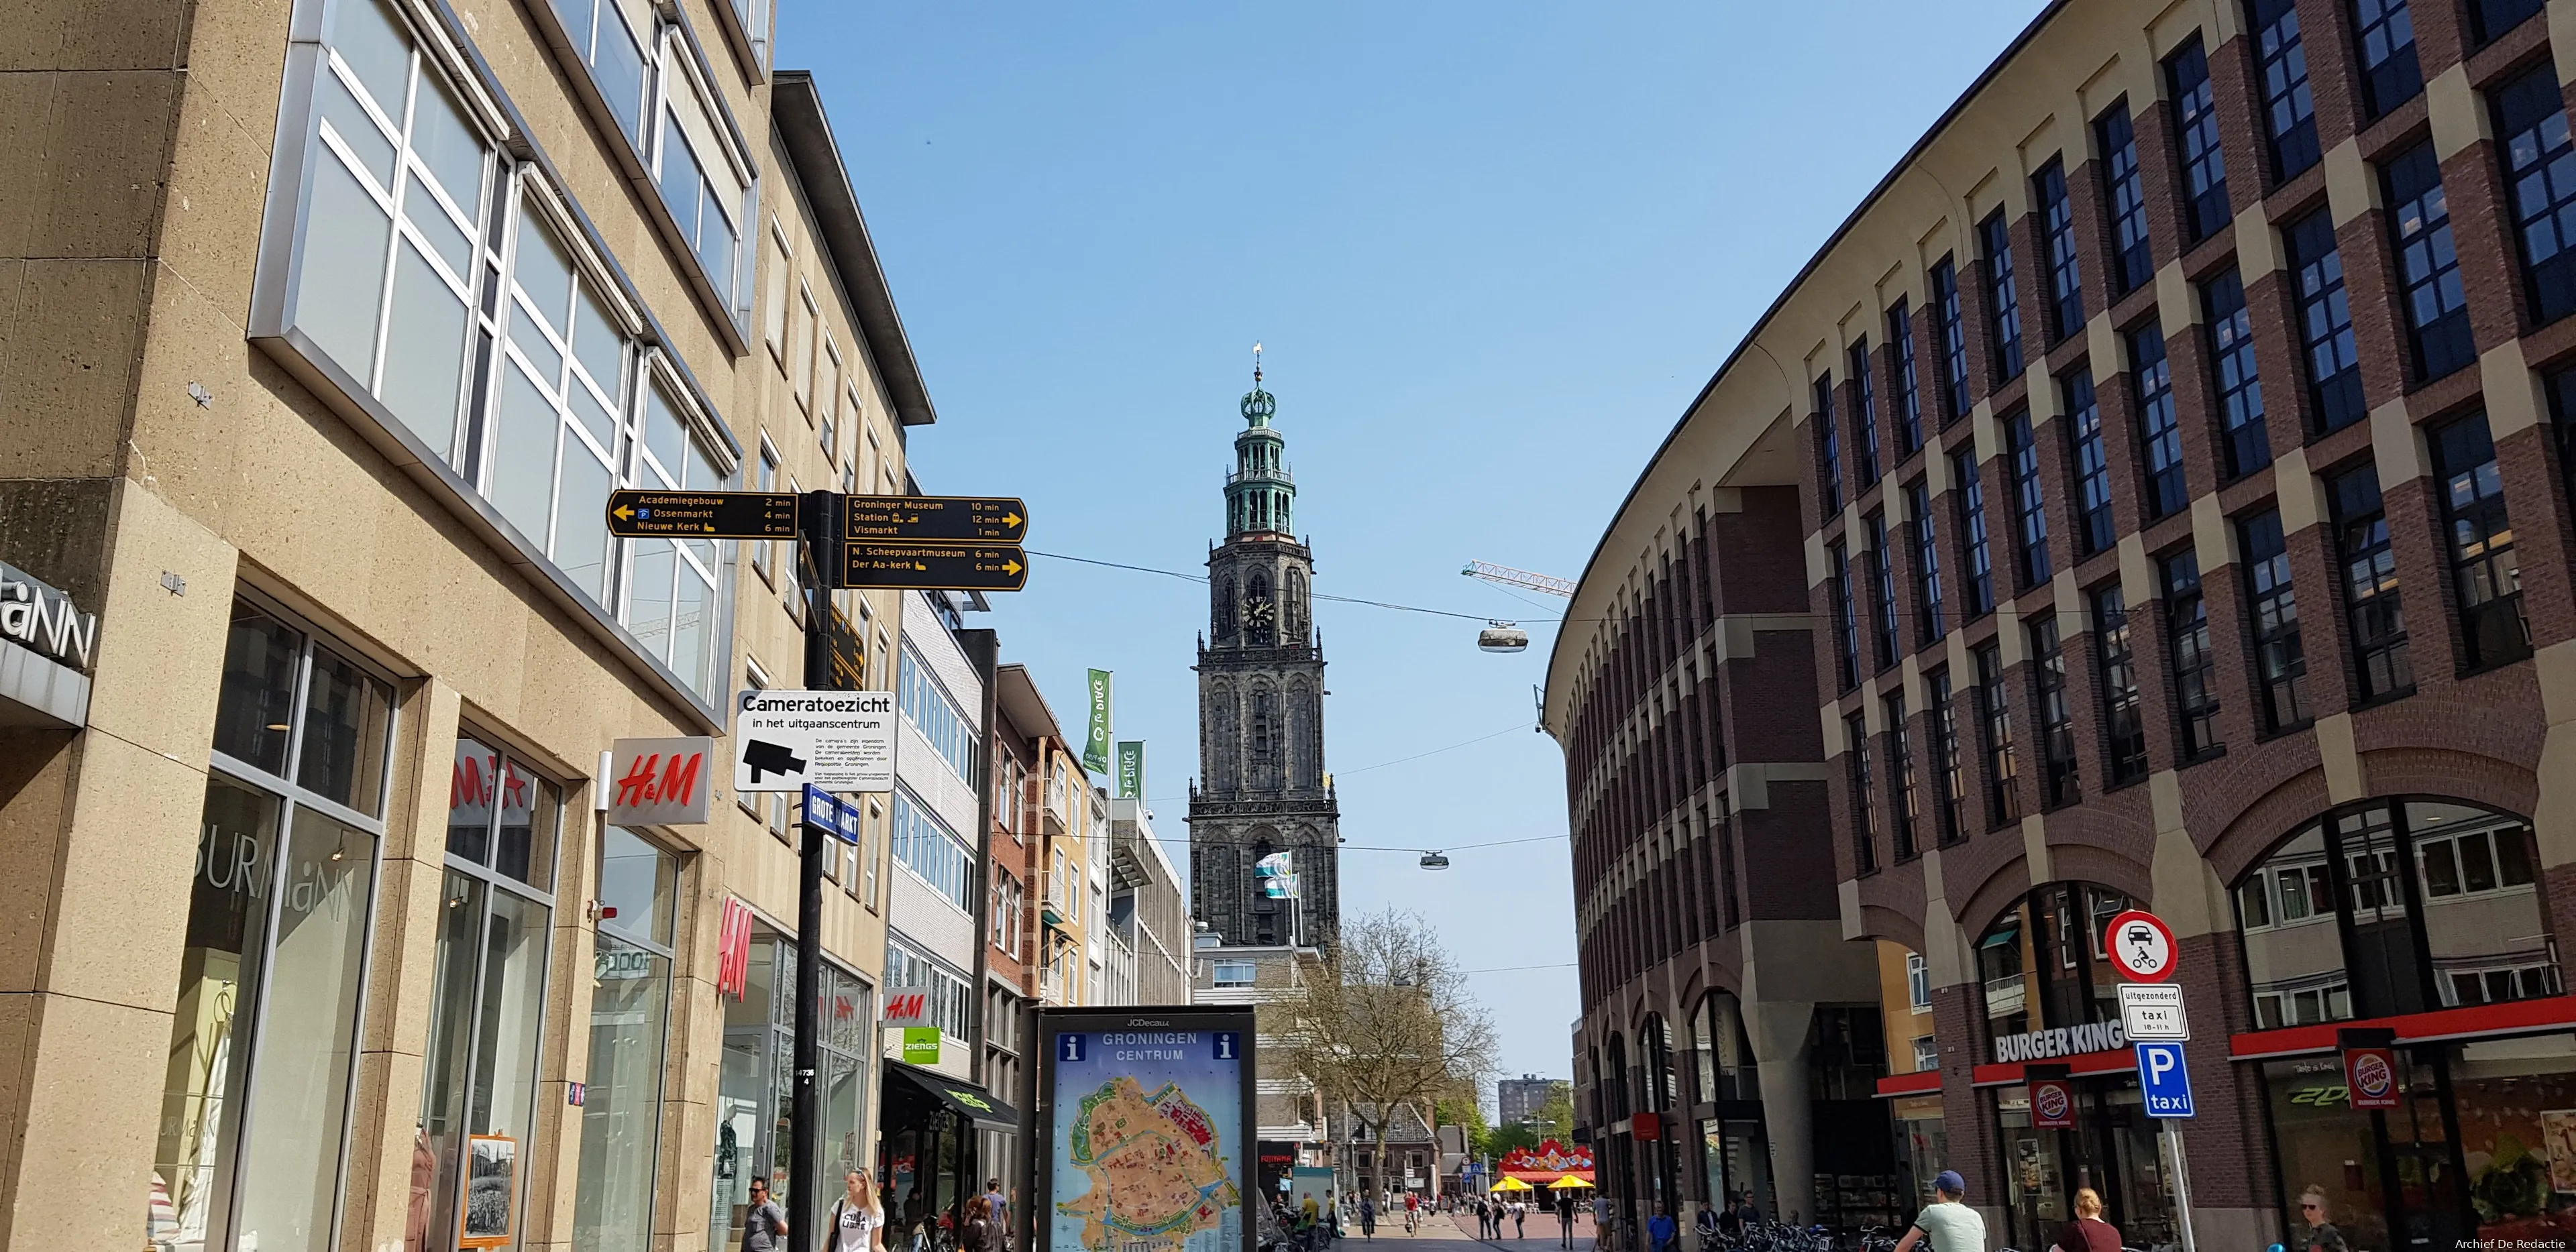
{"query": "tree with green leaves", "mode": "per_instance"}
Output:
(1389, 1024)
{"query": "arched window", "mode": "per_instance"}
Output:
(2042, 963)
(1292, 615)
(1659, 1064)
(1614, 1078)
(1225, 609)
(1261, 723)
(2395, 906)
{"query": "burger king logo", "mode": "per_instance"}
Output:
(2372, 1076)
(2052, 1102)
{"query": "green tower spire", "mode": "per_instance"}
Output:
(1260, 495)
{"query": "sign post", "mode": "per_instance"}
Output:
(828, 737)
(2143, 948)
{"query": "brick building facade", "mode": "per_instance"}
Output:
(2178, 440)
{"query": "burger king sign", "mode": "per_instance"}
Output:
(2372, 1075)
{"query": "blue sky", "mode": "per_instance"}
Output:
(1493, 250)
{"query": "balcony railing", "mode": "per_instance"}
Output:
(1059, 801)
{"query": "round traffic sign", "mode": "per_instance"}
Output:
(2142, 946)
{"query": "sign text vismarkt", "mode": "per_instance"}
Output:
(935, 519)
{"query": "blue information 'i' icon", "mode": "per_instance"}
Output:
(1068, 1047)
(1229, 1045)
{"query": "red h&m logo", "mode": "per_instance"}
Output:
(677, 785)
(907, 1006)
(733, 950)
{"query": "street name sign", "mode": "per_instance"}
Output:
(834, 740)
(935, 519)
(935, 566)
(635, 514)
(2152, 1013)
(2163, 1080)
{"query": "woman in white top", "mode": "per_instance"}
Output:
(858, 1221)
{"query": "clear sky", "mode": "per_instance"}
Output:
(1493, 250)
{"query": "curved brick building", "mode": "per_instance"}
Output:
(2155, 495)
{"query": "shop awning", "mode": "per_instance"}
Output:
(912, 1091)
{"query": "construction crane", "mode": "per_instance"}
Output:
(1509, 577)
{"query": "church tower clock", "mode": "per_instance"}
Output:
(1262, 787)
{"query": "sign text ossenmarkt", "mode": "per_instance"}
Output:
(636, 514)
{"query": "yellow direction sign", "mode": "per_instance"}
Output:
(935, 519)
(935, 566)
(702, 514)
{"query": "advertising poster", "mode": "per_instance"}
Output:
(1146, 1125)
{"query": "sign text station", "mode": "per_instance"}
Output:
(936, 519)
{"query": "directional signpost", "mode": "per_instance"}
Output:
(936, 519)
(961, 543)
(955, 566)
(702, 514)
(832, 738)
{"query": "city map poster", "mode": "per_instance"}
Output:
(1148, 1114)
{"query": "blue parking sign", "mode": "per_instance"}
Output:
(2164, 1080)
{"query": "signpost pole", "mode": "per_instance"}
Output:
(814, 530)
(2181, 1182)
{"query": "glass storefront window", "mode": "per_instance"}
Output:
(621, 1110)
(256, 1097)
(2392, 908)
(2113, 1148)
(754, 1087)
(478, 1088)
(2322, 1142)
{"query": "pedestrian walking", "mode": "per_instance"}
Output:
(1946, 1225)
(1565, 1219)
(2088, 1232)
(764, 1229)
(999, 1203)
(979, 1234)
(858, 1217)
(1368, 1219)
(1520, 1219)
(1662, 1230)
(1746, 1216)
(2322, 1235)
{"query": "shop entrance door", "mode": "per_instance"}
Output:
(2428, 1205)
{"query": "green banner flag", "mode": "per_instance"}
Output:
(1131, 769)
(1095, 754)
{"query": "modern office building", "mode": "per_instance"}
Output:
(2172, 455)
(332, 325)
(1518, 1100)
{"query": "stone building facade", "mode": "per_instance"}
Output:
(332, 324)
(2177, 444)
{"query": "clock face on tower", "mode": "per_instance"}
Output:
(1257, 613)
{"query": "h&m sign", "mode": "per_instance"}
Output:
(2039, 1045)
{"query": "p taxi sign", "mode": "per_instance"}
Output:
(2163, 1080)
